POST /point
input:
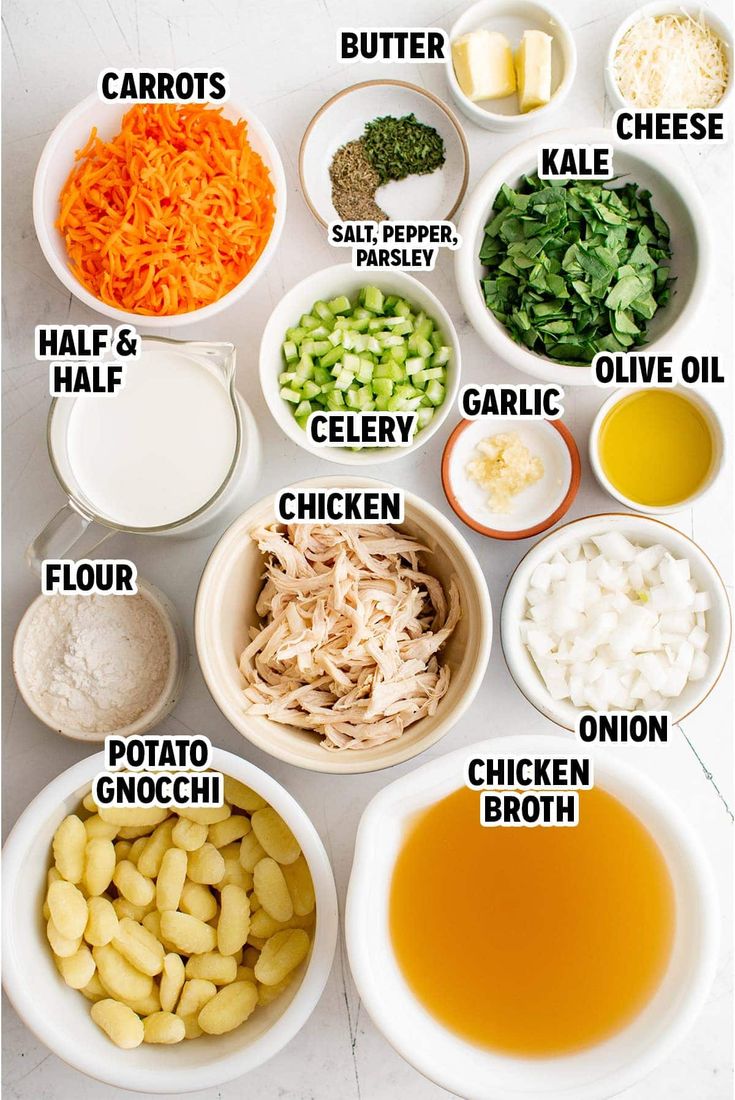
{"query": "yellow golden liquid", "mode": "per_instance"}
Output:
(532, 941)
(656, 447)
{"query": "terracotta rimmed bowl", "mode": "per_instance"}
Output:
(433, 197)
(536, 508)
(646, 531)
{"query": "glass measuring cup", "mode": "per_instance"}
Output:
(80, 525)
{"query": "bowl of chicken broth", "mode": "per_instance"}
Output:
(529, 961)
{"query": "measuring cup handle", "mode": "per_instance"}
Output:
(62, 532)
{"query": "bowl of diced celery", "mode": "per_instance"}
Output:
(359, 342)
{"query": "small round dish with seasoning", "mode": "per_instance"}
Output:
(510, 479)
(383, 150)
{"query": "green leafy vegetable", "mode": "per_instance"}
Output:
(575, 267)
(400, 147)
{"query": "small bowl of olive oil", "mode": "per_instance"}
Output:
(656, 449)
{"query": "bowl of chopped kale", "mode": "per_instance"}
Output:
(554, 271)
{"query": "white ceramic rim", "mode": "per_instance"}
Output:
(349, 763)
(430, 777)
(178, 663)
(490, 120)
(30, 1009)
(666, 7)
(510, 166)
(175, 320)
(280, 410)
(719, 445)
(514, 652)
(378, 83)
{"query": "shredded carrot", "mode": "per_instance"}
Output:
(169, 215)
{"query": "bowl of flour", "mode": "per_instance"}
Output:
(92, 665)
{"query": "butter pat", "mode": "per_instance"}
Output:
(533, 68)
(483, 65)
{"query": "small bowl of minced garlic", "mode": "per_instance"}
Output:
(508, 478)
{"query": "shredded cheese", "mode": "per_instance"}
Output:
(671, 61)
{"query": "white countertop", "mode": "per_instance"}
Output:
(281, 59)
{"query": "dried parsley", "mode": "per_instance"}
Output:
(400, 147)
(575, 267)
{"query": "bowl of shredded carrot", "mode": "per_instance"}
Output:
(159, 214)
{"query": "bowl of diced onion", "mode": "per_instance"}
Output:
(359, 341)
(615, 612)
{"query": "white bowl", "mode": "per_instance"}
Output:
(471, 1071)
(665, 7)
(170, 692)
(674, 197)
(512, 18)
(59, 1016)
(431, 197)
(640, 529)
(57, 161)
(225, 609)
(328, 283)
(709, 413)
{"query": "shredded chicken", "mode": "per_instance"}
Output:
(350, 633)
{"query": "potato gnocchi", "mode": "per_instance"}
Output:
(178, 924)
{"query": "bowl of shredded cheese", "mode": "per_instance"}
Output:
(670, 57)
(162, 214)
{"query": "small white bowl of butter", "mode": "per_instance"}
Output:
(489, 67)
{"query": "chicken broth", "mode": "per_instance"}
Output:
(532, 941)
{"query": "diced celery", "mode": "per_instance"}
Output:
(340, 304)
(382, 387)
(310, 389)
(344, 380)
(435, 392)
(331, 357)
(377, 353)
(389, 370)
(302, 421)
(365, 371)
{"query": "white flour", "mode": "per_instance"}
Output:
(96, 663)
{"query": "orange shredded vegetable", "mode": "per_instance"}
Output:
(169, 215)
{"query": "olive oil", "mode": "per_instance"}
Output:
(656, 447)
(532, 941)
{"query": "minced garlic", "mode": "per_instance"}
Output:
(504, 466)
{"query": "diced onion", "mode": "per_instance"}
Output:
(616, 626)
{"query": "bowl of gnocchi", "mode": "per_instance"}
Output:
(166, 950)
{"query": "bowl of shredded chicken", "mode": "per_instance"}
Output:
(343, 647)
